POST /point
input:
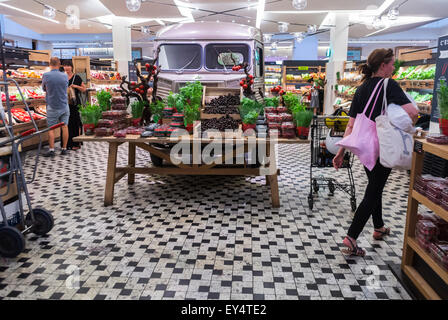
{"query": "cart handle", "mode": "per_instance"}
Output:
(57, 126)
(28, 132)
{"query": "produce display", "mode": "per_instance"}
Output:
(228, 100)
(416, 73)
(28, 93)
(41, 109)
(25, 73)
(103, 75)
(221, 110)
(22, 116)
(221, 124)
(421, 98)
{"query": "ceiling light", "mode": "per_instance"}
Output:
(274, 46)
(233, 21)
(283, 27)
(145, 29)
(299, 36)
(248, 21)
(49, 12)
(217, 21)
(299, 4)
(260, 13)
(27, 12)
(393, 13)
(312, 28)
(133, 5)
(377, 23)
(267, 37)
(72, 21)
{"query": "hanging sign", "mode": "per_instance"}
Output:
(303, 68)
(441, 74)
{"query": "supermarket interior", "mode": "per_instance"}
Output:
(223, 150)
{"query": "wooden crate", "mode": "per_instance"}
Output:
(235, 116)
(209, 93)
(12, 192)
(236, 134)
(81, 66)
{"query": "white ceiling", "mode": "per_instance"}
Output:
(167, 10)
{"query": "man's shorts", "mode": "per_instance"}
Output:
(57, 116)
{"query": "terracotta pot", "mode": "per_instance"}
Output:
(443, 124)
(248, 126)
(89, 129)
(189, 127)
(303, 132)
(160, 121)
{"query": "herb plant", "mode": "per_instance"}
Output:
(442, 96)
(137, 109)
(90, 113)
(251, 117)
(104, 98)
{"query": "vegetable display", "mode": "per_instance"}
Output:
(90, 114)
(442, 96)
(137, 109)
(248, 105)
(271, 102)
(104, 98)
(251, 117)
(228, 100)
(220, 124)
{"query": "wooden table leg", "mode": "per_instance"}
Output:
(110, 177)
(131, 162)
(275, 196)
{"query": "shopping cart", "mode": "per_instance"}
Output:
(326, 130)
(38, 221)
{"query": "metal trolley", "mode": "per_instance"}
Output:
(37, 220)
(321, 128)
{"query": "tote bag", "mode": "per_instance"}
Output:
(396, 145)
(363, 141)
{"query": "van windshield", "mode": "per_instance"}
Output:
(180, 56)
(219, 55)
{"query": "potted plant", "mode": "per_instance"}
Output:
(302, 119)
(290, 100)
(250, 120)
(442, 97)
(192, 113)
(137, 111)
(171, 101)
(104, 100)
(271, 102)
(90, 114)
(157, 110)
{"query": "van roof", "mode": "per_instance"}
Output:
(208, 30)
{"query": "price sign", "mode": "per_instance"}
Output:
(303, 68)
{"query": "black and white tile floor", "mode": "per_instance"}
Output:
(200, 237)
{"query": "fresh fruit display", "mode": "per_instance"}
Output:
(105, 75)
(221, 110)
(23, 116)
(220, 124)
(278, 90)
(25, 73)
(41, 110)
(228, 100)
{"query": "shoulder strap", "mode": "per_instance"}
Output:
(372, 95)
(384, 108)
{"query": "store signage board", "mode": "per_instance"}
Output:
(303, 68)
(441, 74)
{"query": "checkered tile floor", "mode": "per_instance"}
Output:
(200, 237)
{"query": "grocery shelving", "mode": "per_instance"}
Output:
(272, 76)
(419, 278)
(297, 73)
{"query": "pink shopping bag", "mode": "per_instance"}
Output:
(363, 141)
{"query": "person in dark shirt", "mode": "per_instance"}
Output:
(380, 65)
(77, 86)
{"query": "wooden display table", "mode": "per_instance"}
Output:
(411, 247)
(241, 145)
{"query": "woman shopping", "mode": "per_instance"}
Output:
(368, 99)
(75, 87)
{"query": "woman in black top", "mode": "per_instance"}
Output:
(380, 65)
(74, 122)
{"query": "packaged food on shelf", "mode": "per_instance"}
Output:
(135, 130)
(152, 127)
(270, 110)
(106, 123)
(168, 112)
(178, 117)
(427, 229)
(273, 118)
(118, 100)
(114, 114)
(147, 134)
(178, 125)
(274, 132)
(437, 139)
(120, 134)
(428, 216)
(285, 117)
(104, 132)
(119, 107)
(444, 199)
(439, 252)
(274, 125)
(282, 110)
(434, 191)
(422, 241)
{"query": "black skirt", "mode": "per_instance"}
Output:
(74, 126)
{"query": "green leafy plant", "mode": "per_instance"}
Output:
(104, 98)
(248, 105)
(137, 109)
(302, 116)
(157, 109)
(90, 113)
(251, 117)
(442, 96)
(271, 102)
(171, 100)
(192, 112)
(192, 93)
(290, 99)
(397, 65)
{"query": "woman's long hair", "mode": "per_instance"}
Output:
(374, 61)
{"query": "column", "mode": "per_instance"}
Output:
(122, 42)
(338, 47)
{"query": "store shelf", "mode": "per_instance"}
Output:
(33, 82)
(420, 283)
(416, 84)
(31, 102)
(442, 273)
(105, 82)
(436, 149)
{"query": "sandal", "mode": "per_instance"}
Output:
(379, 235)
(352, 249)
